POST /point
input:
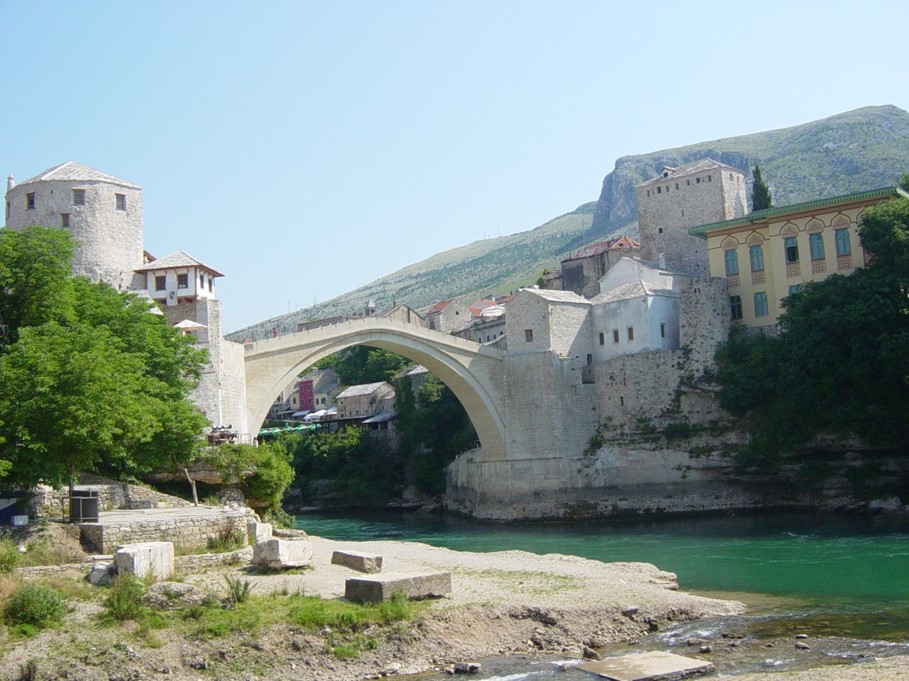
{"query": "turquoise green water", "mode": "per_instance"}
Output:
(842, 560)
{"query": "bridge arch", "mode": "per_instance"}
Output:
(473, 372)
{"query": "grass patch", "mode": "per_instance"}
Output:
(124, 600)
(9, 555)
(32, 607)
(44, 551)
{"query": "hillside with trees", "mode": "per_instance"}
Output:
(853, 151)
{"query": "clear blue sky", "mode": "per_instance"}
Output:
(306, 148)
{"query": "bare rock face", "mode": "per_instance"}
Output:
(172, 595)
(277, 554)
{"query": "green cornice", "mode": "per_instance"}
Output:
(761, 215)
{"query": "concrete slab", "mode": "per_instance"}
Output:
(647, 667)
(362, 562)
(378, 588)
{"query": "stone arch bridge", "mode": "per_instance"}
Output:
(474, 373)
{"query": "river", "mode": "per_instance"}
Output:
(839, 577)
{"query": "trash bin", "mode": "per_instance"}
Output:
(83, 506)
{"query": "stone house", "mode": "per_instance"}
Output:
(359, 402)
(447, 316)
(315, 389)
(695, 193)
(582, 271)
(538, 320)
(767, 255)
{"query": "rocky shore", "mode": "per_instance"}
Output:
(506, 603)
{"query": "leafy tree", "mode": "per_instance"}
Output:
(34, 278)
(362, 364)
(263, 473)
(839, 364)
(760, 192)
(91, 380)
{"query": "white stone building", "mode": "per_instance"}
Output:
(366, 400)
(104, 215)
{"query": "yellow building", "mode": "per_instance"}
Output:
(767, 255)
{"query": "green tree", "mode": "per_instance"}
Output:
(34, 279)
(362, 364)
(262, 473)
(91, 380)
(760, 192)
(839, 364)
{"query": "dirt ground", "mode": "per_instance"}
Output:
(505, 603)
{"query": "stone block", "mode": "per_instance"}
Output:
(378, 588)
(257, 531)
(101, 574)
(362, 562)
(153, 559)
(282, 553)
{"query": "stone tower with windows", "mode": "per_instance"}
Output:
(696, 193)
(103, 213)
(104, 216)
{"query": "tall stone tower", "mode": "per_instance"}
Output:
(103, 213)
(693, 194)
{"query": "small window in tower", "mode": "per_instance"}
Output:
(209, 284)
(710, 178)
(78, 197)
(687, 183)
(121, 201)
(615, 335)
(160, 282)
(183, 280)
(201, 280)
(602, 338)
(659, 190)
(697, 180)
(659, 230)
(676, 185)
(528, 335)
(64, 219)
(662, 329)
(30, 201)
(648, 193)
(631, 333)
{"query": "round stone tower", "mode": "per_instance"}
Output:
(103, 213)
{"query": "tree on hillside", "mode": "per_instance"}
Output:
(760, 192)
(840, 363)
(92, 381)
(362, 364)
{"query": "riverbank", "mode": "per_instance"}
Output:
(509, 603)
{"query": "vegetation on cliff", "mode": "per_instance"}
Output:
(840, 363)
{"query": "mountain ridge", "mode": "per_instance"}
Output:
(852, 151)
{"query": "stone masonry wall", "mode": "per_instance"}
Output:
(50, 502)
(186, 533)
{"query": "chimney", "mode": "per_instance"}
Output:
(10, 182)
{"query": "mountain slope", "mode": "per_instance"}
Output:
(857, 150)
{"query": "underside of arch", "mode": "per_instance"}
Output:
(474, 379)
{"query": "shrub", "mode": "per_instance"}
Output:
(228, 539)
(34, 605)
(124, 602)
(238, 590)
(9, 555)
